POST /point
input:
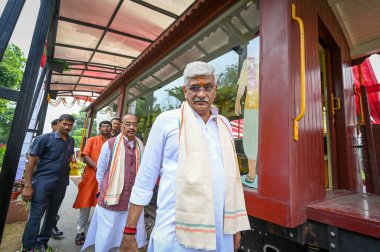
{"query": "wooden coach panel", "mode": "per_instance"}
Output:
(291, 174)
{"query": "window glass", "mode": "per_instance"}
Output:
(236, 61)
(246, 123)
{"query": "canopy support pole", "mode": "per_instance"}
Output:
(8, 22)
(19, 124)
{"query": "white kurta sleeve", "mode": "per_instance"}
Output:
(102, 163)
(228, 124)
(150, 166)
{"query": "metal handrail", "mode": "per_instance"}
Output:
(360, 105)
(302, 73)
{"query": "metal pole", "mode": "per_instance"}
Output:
(52, 34)
(37, 92)
(120, 109)
(19, 124)
(8, 22)
(92, 116)
(42, 114)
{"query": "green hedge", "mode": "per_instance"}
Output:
(2, 153)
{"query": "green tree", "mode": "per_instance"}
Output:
(11, 72)
(7, 109)
(147, 111)
(227, 89)
(229, 76)
(12, 67)
(77, 130)
(2, 153)
(177, 93)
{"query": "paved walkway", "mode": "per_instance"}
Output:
(67, 223)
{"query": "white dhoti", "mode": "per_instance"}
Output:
(106, 230)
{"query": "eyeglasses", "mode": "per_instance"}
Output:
(196, 89)
(129, 124)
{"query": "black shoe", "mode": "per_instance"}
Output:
(56, 233)
(43, 248)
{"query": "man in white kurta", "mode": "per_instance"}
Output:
(161, 158)
(109, 219)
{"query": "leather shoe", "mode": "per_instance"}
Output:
(56, 232)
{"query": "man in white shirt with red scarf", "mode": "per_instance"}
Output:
(200, 204)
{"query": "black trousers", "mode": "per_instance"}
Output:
(45, 201)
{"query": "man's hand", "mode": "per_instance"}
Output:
(27, 193)
(88, 161)
(128, 244)
(237, 238)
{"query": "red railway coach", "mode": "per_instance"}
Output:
(310, 186)
(304, 186)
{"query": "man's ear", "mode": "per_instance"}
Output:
(184, 89)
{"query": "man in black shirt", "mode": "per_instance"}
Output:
(46, 180)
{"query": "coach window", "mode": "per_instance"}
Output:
(238, 100)
(231, 44)
(106, 112)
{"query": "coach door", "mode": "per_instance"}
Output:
(329, 105)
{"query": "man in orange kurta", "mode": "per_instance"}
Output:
(88, 187)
